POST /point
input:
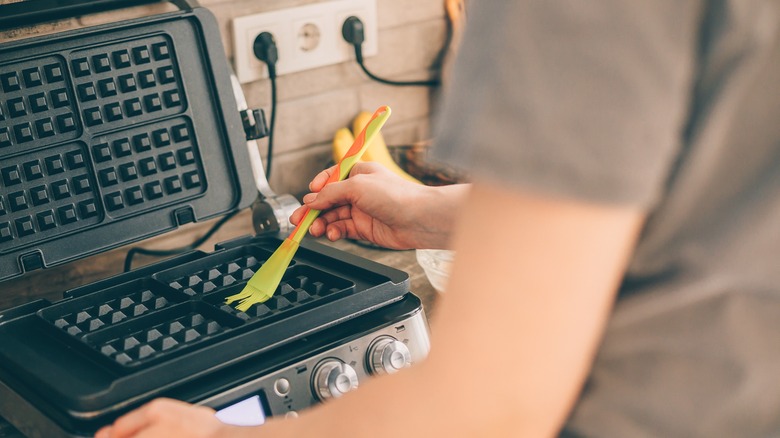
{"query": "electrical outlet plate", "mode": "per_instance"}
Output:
(306, 37)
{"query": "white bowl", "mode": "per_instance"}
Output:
(437, 264)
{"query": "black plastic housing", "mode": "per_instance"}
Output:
(113, 134)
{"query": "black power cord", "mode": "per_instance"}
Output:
(174, 251)
(265, 50)
(353, 32)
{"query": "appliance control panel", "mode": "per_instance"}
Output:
(324, 376)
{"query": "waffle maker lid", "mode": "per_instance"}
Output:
(115, 133)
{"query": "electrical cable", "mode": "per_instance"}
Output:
(264, 48)
(270, 149)
(359, 58)
(353, 32)
(174, 251)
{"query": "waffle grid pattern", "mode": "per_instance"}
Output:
(161, 339)
(146, 167)
(218, 276)
(37, 107)
(45, 196)
(126, 82)
(108, 313)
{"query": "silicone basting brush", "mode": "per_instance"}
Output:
(263, 284)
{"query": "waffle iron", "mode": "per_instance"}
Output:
(116, 133)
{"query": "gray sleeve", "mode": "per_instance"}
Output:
(580, 99)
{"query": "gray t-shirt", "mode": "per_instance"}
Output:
(674, 106)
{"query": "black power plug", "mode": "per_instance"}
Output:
(264, 48)
(353, 32)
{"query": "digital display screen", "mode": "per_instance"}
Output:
(247, 412)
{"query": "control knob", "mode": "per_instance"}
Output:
(387, 356)
(333, 378)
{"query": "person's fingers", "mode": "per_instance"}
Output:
(359, 168)
(336, 231)
(336, 194)
(130, 423)
(164, 430)
(342, 229)
(159, 418)
(319, 181)
(332, 195)
(330, 204)
(317, 227)
(298, 214)
(155, 432)
(340, 218)
(364, 168)
(339, 224)
(320, 224)
(336, 214)
(104, 432)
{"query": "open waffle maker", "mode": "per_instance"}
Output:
(115, 133)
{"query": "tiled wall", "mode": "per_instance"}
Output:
(314, 103)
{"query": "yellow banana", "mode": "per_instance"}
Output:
(342, 141)
(377, 151)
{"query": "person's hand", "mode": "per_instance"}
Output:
(376, 205)
(166, 418)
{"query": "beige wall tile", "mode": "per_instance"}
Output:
(127, 13)
(408, 103)
(320, 80)
(311, 120)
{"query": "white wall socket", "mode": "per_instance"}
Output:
(306, 37)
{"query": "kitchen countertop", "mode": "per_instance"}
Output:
(51, 283)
